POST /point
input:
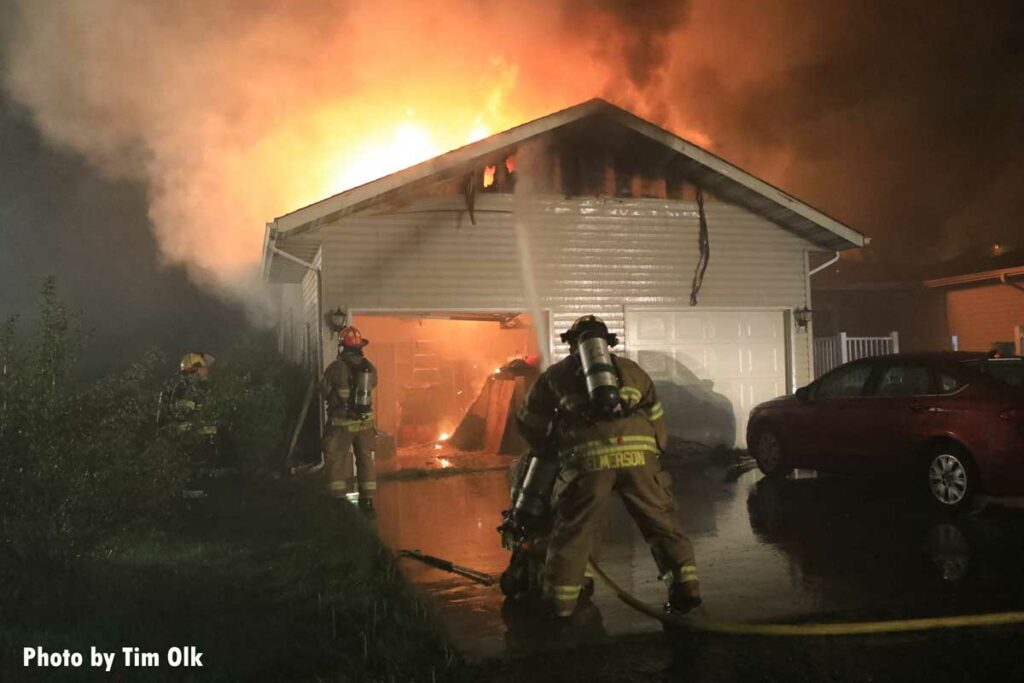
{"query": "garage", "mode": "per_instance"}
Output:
(694, 264)
(432, 367)
(711, 367)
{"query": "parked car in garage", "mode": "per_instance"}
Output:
(951, 421)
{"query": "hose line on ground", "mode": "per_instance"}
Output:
(694, 623)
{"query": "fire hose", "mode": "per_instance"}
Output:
(695, 623)
(451, 567)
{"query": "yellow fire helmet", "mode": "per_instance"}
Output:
(191, 362)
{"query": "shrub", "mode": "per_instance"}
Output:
(75, 462)
(256, 396)
(78, 463)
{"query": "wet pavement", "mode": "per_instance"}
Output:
(800, 550)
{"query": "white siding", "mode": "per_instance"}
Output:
(590, 256)
(312, 330)
(291, 322)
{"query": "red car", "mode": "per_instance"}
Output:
(953, 422)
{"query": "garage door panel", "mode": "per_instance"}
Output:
(686, 329)
(657, 364)
(683, 366)
(698, 413)
(765, 326)
(710, 367)
(764, 390)
(729, 388)
(653, 330)
(763, 360)
(725, 328)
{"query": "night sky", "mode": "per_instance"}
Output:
(903, 120)
(59, 217)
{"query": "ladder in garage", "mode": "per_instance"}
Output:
(831, 352)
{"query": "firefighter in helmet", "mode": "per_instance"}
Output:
(187, 393)
(347, 387)
(594, 417)
(182, 413)
(196, 365)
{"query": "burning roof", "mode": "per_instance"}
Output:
(700, 166)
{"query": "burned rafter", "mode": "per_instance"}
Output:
(595, 160)
(469, 192)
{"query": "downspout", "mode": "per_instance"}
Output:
(807, 297)
(824, 265)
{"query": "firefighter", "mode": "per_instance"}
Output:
(187, 394)
(181, 412)
(347, 387)
(594, 416)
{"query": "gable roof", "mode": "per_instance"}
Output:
(978, 265)
(712, 172)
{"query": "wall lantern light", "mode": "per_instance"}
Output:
(337, 319)
(802, 316)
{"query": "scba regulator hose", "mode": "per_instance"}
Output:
(837, 629)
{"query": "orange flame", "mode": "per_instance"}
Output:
(298, 101)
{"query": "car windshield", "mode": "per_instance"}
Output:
(1007, 370)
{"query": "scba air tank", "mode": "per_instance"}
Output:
(599, 371)
(535, 495)
(362, 397)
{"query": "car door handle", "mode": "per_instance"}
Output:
(916, 407)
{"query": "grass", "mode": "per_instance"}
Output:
(270, 580)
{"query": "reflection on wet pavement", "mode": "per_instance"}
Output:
(802, 549)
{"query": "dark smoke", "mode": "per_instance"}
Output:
(902, 119)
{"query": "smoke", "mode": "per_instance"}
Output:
(233, 112)
(901, 119)
(236, 111)
(638, 38)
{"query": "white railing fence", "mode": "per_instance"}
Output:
(831, 352)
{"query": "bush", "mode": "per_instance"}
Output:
(75, 462)
(79, 463)
(255, 396)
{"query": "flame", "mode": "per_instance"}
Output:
(444, 436)
(410, 145)
(299, 101)
(479, 132)
(444, 462)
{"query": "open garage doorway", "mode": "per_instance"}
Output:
(448, 382)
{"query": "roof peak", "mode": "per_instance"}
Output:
(714, 174)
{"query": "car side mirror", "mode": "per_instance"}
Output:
(803, 394)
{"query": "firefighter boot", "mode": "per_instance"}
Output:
(366, 506)
(560, 601)
(683, 591)
(683, 597)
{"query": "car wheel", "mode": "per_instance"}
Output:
(769, 454)
(951, 477)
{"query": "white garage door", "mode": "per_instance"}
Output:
(710, 367)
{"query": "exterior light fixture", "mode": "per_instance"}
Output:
(802, 316)
(337, 319)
